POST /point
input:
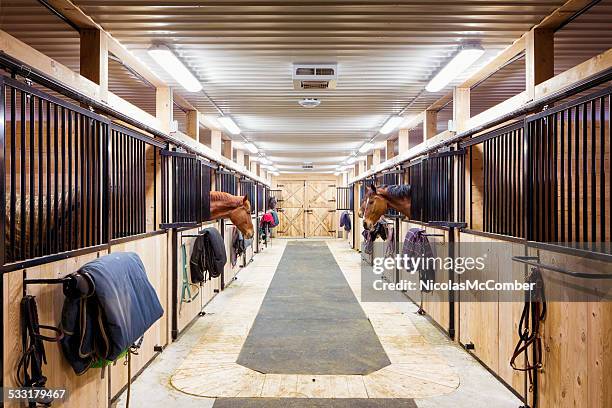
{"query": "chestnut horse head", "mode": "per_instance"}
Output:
(236, 208)
(364, 201)
(379, 199)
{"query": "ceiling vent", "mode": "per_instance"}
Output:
(307, 166)
(309, 102)
(315, 76)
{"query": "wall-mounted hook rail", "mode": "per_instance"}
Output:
(535, 261)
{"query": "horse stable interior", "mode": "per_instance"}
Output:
(192, 192)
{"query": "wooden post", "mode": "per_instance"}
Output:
(193, 125)
(539, 58)
(403, 140)
(390, 150)
(163, 108)
(461, 108)
(362, 167)
(94, 59)
(376, 157)
(239, 156)
(215, 140)
(430, 124)
(228, 149)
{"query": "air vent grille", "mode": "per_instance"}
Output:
(314, 76)
(315, 84)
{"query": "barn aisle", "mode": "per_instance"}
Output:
(256, 346)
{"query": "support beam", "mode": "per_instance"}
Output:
(376, 157)
(163, 108)
(193, 125)
(539, 58)
(362, 167)
(430, 124)
(461, 108)
(94, 59)
(228, 149)
(403, 140)
(240, 157)
(390, 150)
(215, 140)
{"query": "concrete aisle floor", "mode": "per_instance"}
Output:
(473, 387)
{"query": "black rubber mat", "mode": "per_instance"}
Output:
(310, 321)
(313, 403)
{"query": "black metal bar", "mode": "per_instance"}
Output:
(534, 261)
(593, 143)
(585, 175)
(32, 233)
(602, 172)
(70, 208)
(577, 175)
(570, 143)
(3, 240)
(562, 183)
(22, 183)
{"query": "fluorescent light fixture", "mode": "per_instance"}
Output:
(366, 147)
(337, 173)
(251, 147)
(467, 55)
(275, 173)
(351, 160)
(166, 59)
(391, 124)
(265, 160)
(211, 122)
(229, 125)
(272, 168)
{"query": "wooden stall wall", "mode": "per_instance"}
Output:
(434, 304)
(152, 251)
(187, 312)
(90, 389)
(577, 341)
(494, 341)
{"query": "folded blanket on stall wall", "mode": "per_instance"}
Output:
(238, 246)
(416, 245)
(275, 217)
(345, 221)
(111, 312)
(208, 255)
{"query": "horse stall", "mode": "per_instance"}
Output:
(345, 204)
(533, 194)
(80, 187)
(227, 181)
(80, 183)
(247, 188)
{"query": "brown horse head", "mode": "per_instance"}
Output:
(364, 201)
(379, 199)
(241, 218)
(236, 208)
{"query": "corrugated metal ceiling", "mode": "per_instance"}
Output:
(242, 51)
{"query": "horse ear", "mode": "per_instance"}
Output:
(245, 199)
(373, 188)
